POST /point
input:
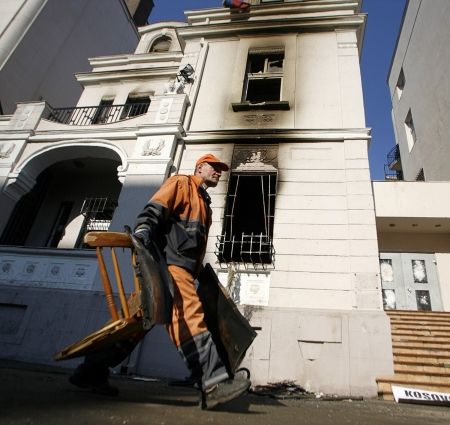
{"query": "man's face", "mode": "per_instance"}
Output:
(210, 173)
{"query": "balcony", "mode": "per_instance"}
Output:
(100, 114)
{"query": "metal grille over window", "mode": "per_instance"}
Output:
(249, 217)
(98, 213)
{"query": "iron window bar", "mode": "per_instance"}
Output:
(100, 114)
(98, 214)
(247, 235)
(248, 249)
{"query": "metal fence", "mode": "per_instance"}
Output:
(101, 114)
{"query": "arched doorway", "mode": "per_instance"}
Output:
(76, 189)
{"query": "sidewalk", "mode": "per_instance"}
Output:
(39, 395)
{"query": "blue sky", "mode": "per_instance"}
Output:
(384, 18)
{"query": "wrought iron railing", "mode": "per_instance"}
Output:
(101, 114)
(98, 213)
(392, 174)
(393, 156)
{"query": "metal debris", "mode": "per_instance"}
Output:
(281, 390)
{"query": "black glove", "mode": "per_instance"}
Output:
(144, 235)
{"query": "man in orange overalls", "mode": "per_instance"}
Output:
(177, 218)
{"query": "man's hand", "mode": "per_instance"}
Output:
(143, 235)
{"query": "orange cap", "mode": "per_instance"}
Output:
(211, 159)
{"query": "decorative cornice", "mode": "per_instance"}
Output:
(270, 10)
(145, 58)
(113, 134)
(117, 75)
(274, 25)
(161, 25)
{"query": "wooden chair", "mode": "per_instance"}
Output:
(126, 321)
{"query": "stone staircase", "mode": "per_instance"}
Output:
(421, 349)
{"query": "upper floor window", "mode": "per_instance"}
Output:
(420, 176)
(135, 105)
(103, 112)
(400, 84)
(410, 131)
(264, 76)
(161, 44)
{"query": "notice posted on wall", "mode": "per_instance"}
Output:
(248, 288)
(255, 289)
(419, 396)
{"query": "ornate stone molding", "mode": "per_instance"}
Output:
(153, 147)
(44, 270)
(6, 149)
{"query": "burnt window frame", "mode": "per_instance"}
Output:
(103, 111)
(135, 105)
(245, 245)
(255, 73)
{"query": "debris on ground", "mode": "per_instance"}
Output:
(289, 390)
(281, 390)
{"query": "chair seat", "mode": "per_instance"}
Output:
(111, 333)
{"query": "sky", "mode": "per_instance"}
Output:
(383, 23)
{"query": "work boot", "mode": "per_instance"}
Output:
(223, 392)
(98, 386)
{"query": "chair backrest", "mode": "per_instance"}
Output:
(109, 241)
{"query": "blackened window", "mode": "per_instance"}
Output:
(249, 215)
(264, 76)
(135, 105)
(103, 111)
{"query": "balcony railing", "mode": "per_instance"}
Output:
(394, 159)
(392, 174)
(103, 114)
(393, 168)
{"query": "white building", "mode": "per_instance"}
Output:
(413, 217)
(43, 43)
(419, 83)
(276, 93)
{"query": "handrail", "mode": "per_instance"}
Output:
(393, 155)
(100, 114)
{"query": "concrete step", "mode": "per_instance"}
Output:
(435, 346)
(420, 323)
(418, 369)
(421, 332)
(422, 361)
(421, 339)
(421, 352)
(415, 313)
